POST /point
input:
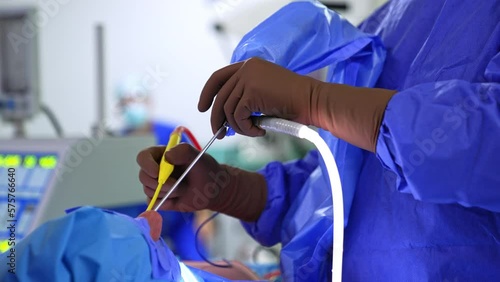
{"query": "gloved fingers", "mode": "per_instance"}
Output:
(243, 118)
(228, 90)
(176, 204)
(229, 107)
(181, 157)
(182, 154)
(170, 204)
(149, 159)
(148, 191)
(214, 84)
(178, 171)
(180, 205)
(147, 180)
(175, 197)
(178, 192)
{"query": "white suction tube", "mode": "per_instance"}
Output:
(305, 132)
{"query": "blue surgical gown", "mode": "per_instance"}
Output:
(427, 204)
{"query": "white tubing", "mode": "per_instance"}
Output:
(304, 132)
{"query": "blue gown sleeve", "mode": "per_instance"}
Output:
(284, 181)
(441, 140)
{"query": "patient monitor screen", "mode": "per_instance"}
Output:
(31, 174)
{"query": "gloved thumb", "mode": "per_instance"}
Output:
(182, 154)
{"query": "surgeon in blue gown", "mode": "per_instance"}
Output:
(418, 150)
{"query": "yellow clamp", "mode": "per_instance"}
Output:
(165, 167)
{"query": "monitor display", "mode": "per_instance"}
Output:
(31, 174)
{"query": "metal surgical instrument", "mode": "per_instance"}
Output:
(210, 142)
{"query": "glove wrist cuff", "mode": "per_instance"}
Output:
(245, 195)
(353, 114)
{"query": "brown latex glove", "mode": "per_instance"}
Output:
(351, 113)
(209, 185)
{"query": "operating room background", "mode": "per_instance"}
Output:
(172, 44)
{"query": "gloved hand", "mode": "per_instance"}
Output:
(209, 185)
(353, 114)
